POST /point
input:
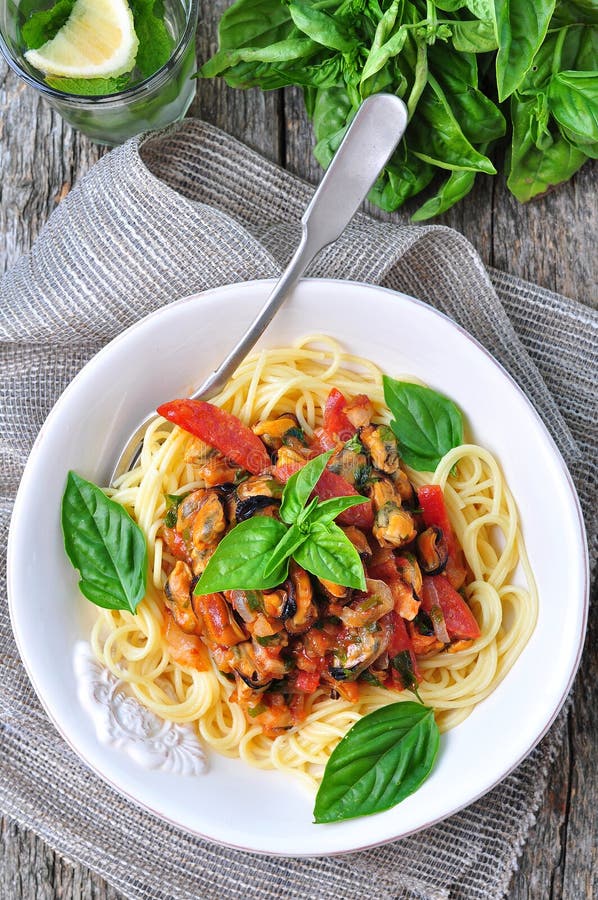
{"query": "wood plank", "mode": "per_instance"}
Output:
(252, 116)
(29, 869)
(40, 160)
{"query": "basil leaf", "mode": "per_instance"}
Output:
(328, 553)
(321, 27)
(537, 161)
(242, 556)
(284, 549)
(299, 487)
(328, 510)
(473, 36)
(573, 101)
(256, 23)
(520, 29)
(438, 138)
(283, 51)
(456, 186)
(381, 760)
(427, 424)
(104, 543)
(402, 178)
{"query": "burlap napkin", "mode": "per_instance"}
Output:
(180, 212)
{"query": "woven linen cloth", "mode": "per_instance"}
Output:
(175, 213)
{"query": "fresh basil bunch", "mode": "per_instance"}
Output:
(451, 61)
(255, 554)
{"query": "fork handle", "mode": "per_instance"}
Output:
(377, 128)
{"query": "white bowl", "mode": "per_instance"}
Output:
(163, 357)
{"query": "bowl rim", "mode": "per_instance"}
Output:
(583, 560)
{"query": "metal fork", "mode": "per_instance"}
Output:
(375, 131)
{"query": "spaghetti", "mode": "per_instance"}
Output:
(484, 518)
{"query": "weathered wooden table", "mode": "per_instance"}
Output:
(550, 241)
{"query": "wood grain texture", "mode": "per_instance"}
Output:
(550, 241)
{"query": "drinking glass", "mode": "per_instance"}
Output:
(110, 119)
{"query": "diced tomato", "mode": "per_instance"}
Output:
(336, 422)
(383, 565)
(332, 485)
(400, 640)
(431, 500)
(307, 681)
(219, 429)
(459, 619)
(186, 649)
(175, 543)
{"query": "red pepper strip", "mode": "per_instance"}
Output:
(336, 423)
(284, 472)
(219, 429)
(459, 619)
(400, 641)
(307, 681)
(434, 513)
(321, 441)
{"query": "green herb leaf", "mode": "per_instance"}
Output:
(173, 501)
(104, 543)
(520, 29)
(456, 186)
(573, 101)
(328, 510)
(438, 138)
(474, 36)
(44, 24)
(155, 41)
(427, 424)
(381, 760)
(299, 487)
(328, 553)
(283, 51)
(404, 666)
(327, 30)
(242, 556)
(268, 640)
(284, 549)
(89, 87)
(540, 158)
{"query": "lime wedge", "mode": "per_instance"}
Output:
(97, 40)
